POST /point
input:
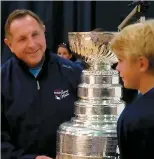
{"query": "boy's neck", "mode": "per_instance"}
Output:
(146, 83)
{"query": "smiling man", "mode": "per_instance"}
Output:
(25, 37)
(30, 81)
(134, 47)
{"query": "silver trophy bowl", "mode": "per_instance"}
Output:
(91, 133)
(94, 46)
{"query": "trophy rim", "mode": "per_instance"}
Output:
(93, 32)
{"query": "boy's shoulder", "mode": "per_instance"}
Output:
(140, 111)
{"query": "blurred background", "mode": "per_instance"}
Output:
(61, 17)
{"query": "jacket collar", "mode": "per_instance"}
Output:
(47, 58)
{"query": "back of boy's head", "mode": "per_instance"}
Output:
(134, 41)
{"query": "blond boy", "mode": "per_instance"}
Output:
(134, 47)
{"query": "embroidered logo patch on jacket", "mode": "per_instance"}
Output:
(61, 94)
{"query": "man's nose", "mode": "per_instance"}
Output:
(31, 42)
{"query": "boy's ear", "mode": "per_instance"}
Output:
(144, 64)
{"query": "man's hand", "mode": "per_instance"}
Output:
(43, 157)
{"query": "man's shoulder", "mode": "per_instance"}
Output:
(9, 64)
(8, 72)
(64, 63)
(68, 69)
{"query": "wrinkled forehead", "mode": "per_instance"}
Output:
(23, 20)
(24, 25)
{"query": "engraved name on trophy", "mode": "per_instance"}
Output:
(92, 132)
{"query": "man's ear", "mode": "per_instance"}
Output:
(44, 28)
(8, 43)
(144, 64)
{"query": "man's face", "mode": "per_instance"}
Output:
(64, 53)
(129, 72)
(27, 40)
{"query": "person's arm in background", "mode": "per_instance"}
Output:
(81, 64)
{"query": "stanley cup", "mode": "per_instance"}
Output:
(91, 134)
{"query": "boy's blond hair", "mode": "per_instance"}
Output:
(134, 41)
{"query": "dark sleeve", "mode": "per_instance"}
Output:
(8, 150)
(81, 64)
(140, 140)
(76, 76)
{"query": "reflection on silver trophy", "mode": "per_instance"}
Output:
(92, 132)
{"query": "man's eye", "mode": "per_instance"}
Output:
(21, 39)
(35, 34)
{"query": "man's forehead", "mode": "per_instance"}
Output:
(18, 25)
(20, 22)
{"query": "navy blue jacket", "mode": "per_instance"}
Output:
(33, 108)
(136, 129)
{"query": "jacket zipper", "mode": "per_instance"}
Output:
(38, 85)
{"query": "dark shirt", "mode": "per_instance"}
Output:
(135, 128)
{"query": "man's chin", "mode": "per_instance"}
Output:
(33, 63)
